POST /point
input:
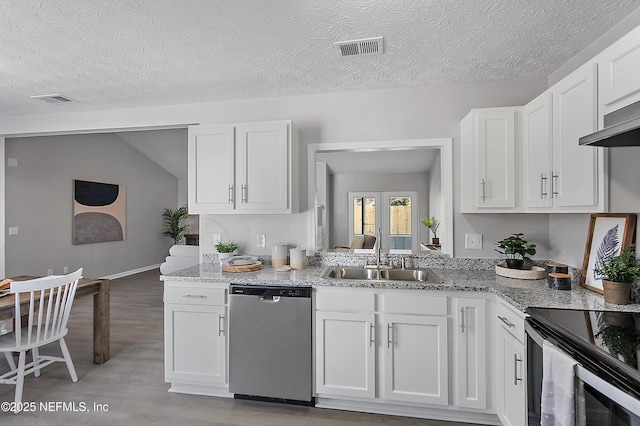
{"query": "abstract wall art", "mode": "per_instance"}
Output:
(99, 212)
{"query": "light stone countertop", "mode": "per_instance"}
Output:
(522, 294)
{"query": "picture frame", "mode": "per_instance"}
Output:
(608, 234)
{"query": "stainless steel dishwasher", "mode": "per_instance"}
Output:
(270, 343)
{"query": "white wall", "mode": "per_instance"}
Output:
(435, 194)
(39, 198)
(380, 115)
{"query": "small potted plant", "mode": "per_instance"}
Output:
(618, 272)
(516, 249)
(172, 223)
(226, 249)
(432, 224)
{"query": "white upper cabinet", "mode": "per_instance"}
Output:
(243, 168)
(577, 182)
(488, 142)
(619, 68)
(537, 150)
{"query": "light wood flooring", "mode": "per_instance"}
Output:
(131, 384)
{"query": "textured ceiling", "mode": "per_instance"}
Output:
(130, 53)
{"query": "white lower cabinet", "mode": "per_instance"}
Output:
(346, 354)
(411, 352)
(416, 363)
(195, 337)
(511, 367)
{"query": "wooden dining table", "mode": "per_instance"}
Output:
(100, 288)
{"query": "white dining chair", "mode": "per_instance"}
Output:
(46, 304)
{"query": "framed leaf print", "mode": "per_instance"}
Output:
(608, 234)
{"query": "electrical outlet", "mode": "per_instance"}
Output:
(65, 270)
(217, 238)
(473, 241)
(12, 162)
(13, 230)
(49, 271)
(261, 240)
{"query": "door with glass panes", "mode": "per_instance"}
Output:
(395, 213)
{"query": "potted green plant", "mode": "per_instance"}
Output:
(618, 273)
(432, 224)
(173, 228)
(516, 249)
(226, 249)
(623, 340)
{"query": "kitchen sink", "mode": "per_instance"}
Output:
(371, 274)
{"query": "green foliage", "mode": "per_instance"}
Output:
(432, 224)
(172, 227)
(624, 341)
(621, 268)
(514, 247)
(226, 247)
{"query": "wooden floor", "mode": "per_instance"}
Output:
(131, 387)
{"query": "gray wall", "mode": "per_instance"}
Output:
(39, 202)
(568, 233)
(342, 184)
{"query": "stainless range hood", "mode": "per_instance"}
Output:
(621, 128)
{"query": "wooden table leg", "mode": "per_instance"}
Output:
(101, 326)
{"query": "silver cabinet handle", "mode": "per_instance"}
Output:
(554, 185)
(230, 194)
(389, 333)
(194, 296)
(543, 182)
(372, 339)
(506, 321)
(462, 325)
(244, 193)
(516, 360)
(220, 325)
(483, 184)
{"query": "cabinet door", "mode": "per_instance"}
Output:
(263, 167)
(211, 169)
(496, 139)
(471, 360)
(537, 151)
(575, 176)
(619, 67)
(415, 366)
(512, 403)
(346, 354)
(195, 344)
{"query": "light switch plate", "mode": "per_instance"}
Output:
(217, 238)
(12, 162)
(473, 241)
(261, 240)
(13, 230)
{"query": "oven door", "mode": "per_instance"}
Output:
(598, 402)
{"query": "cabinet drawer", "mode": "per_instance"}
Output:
(415, 304)
(345, 301)
(195, 295)
(510, 320)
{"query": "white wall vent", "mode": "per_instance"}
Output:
(53, 99)
(367, 46)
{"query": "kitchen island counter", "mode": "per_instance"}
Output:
(522, 294)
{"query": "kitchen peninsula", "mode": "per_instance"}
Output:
(441, 351)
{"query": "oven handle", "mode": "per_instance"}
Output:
(620, 397)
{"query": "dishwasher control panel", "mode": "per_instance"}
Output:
(262, 290)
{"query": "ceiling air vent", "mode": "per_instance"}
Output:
(367, 46)
(53, 99)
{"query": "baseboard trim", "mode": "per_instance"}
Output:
(131, 272)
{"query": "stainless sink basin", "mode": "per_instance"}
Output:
(347, 273)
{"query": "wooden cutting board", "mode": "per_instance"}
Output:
(242, 268)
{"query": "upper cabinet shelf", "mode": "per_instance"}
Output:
(247, 168)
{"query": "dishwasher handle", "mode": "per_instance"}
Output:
(273, 299)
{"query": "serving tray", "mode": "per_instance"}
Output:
(531, 273)
(242, 268)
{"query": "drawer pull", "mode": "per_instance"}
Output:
(230, 194)
(506, 321)
(220, 325)
(389, 334)
(194, 296)
(516, 360)
(462, 325)
(372, 332)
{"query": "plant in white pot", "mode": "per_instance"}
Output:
(226, 249)
(618, 272)
(516, 249)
